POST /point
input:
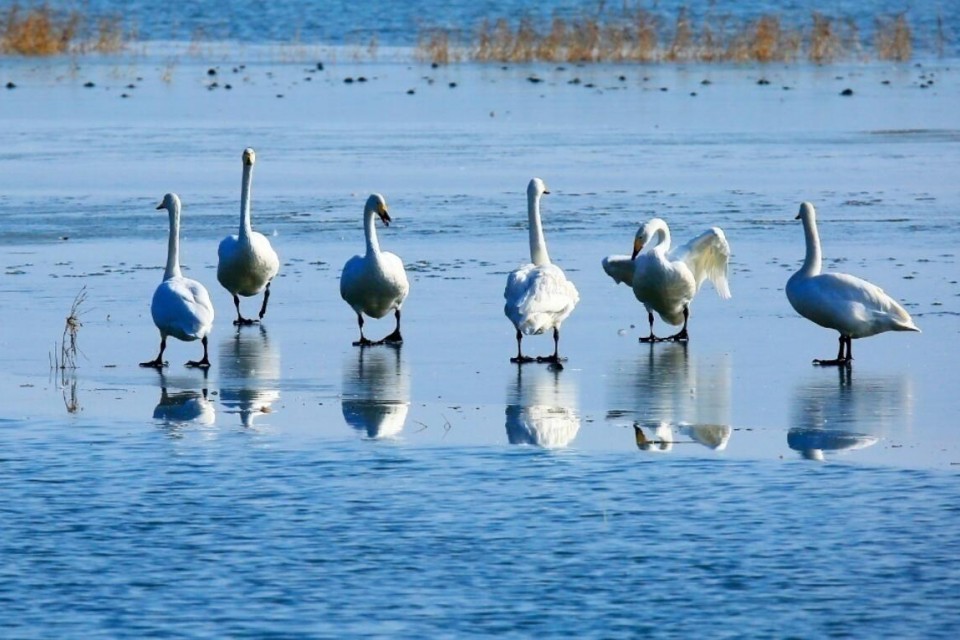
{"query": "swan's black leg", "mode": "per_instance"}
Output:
(651, 337)
(555, 358)
(395, 337)
(682, 336)
(844, 354)
(263, 308)
(520, 359)
(203, 362)
(362, 342)
(240, 321)
(157, 363)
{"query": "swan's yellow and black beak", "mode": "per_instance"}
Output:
(249, 157)
(160, 206)
(798, 217)
(637, 247)
(384, 216)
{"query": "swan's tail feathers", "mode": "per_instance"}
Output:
(898, 318)
(905, 323)
(707, 256)
(620, 268)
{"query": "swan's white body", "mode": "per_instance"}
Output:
(375, 283)
(666, 281)
(538, 295)
(247, 262)
(854, 307)
(181, 307)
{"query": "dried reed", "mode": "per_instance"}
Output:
(40, 31)
(893, 39)
(633, 34)
(65, 356)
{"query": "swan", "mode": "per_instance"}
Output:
(181, 307)
(247, 263)
(539, 296)
(854, 307)
(375, 283)
(666, 281)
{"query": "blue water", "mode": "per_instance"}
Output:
(151, 532)
(400, 23)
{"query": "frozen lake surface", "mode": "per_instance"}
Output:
(307, 487)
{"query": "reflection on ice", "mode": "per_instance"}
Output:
(542, 408)
(376, 391)
(249, 374)
(843, 414)
(184, 408)
(659, 436)
(673, 398)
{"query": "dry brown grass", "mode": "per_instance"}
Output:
(41, 31)
(893, 39)
(632, 34)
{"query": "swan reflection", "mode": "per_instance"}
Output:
(542, 409)
(376, 392)
(843, 414)
(249, 374)
(673, 398)
(185, 407)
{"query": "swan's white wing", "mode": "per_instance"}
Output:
(620, 268)
(181, 308)
(849, 304)
(707, 256)
(539, 298)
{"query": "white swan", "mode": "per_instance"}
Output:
(375, 283)
(181, 307)
(539, 296)
(666, 281)
(247, 263)
(854, 307)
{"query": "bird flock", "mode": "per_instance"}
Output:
(538, 295)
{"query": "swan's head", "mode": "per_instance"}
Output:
(645, 234)
(171, 202)
(536, 188)
(807, 212)
(376, 204)
(249, 157)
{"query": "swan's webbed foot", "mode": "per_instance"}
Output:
(363, 342)
(650, 339)
(836, 362)
(154, 364)
(522, 359)
(555, 359)
(844, 355)
(204, 362)
(244, 322)
(393, 338)
(680, 336)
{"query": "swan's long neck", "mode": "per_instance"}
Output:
(812, 261)
(173, 246)
(538, 246)
(245, 189)
(661, 238)
(370, 232)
